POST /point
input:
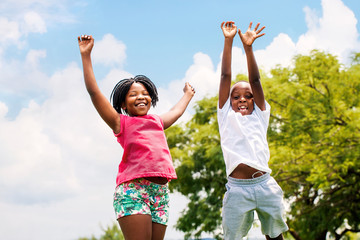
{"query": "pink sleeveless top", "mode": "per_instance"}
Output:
(146, 153)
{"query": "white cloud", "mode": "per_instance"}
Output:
(53, 148)
(33, 57)
(3, 110)
(9, 30)
(24, 78)
(109, 51)
(334, 32)
(21, 17)
(112, 78)
(201, 75)
(31, 159)
(34, 23)
(78, 216)
(52, 11)
(280, 51)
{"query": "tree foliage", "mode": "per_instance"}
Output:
(110, 233)
(314, 140)
(313, 136)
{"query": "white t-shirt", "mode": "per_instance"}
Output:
(243, 138)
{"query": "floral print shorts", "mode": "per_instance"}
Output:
(140, 196)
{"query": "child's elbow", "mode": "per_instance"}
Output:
(256, 80)
(92, 92)
(225, 74)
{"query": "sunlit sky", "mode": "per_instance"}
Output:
(58, 160)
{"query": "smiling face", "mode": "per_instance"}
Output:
(242, 99)
(137, 100)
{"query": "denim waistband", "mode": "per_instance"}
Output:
(251, 181)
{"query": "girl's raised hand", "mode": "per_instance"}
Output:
(250, 35)
(189, 89)
(86, 43)
(229, 29)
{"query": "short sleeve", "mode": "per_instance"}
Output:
(222, 112)
(122, 124)
(158, 119)
(264, 115)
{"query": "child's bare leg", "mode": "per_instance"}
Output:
(280, 237)
(158, 231)
(136, 226)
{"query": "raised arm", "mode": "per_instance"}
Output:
(176, 111)
(229, 31)
(102, 105)
(248, 39)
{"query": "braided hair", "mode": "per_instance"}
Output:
(120, 90)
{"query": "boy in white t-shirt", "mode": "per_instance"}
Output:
(243, 116)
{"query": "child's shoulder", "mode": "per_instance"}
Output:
(267, 107)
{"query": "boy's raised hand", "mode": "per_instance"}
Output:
(250, 35)
(229, 29)
(86, 43)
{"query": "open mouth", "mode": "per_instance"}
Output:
(242, 109)
(142, 104)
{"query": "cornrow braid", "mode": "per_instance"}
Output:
(120, 90)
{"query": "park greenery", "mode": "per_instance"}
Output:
(313, 136)
(109, 233)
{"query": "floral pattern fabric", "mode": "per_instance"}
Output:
(140, 196)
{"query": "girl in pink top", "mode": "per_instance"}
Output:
(142, 195)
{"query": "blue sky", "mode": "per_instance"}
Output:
(58, 159)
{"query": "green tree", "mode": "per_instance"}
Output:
(314, 139)
(313, 135)
(110, 233)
